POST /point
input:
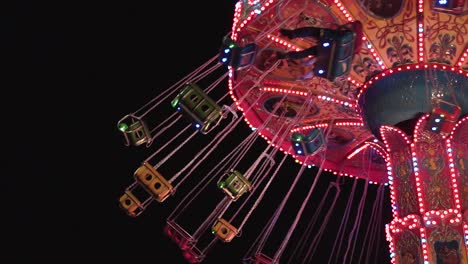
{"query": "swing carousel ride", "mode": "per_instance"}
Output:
(392, 115)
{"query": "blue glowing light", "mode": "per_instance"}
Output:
(321, 71)
(326, 44)
(442, 2)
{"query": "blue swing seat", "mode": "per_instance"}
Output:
(236, 56)
(335, 55)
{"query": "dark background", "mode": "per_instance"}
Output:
(71, 71)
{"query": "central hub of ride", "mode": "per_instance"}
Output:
(418, 112)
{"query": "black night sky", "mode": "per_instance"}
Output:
(71, 71)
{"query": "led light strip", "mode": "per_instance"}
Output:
(390, 242)
(358, 84)
(344, 11)
(462, 58)
(366, 144)
(297, 129)
(406, 68)
(283, 42)
(454, 171)
(389, 165)
(356, 151)
(399, 224)
(435, 218)
(416, 167)
(305, 94)
(252, 14)
(420, 21)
